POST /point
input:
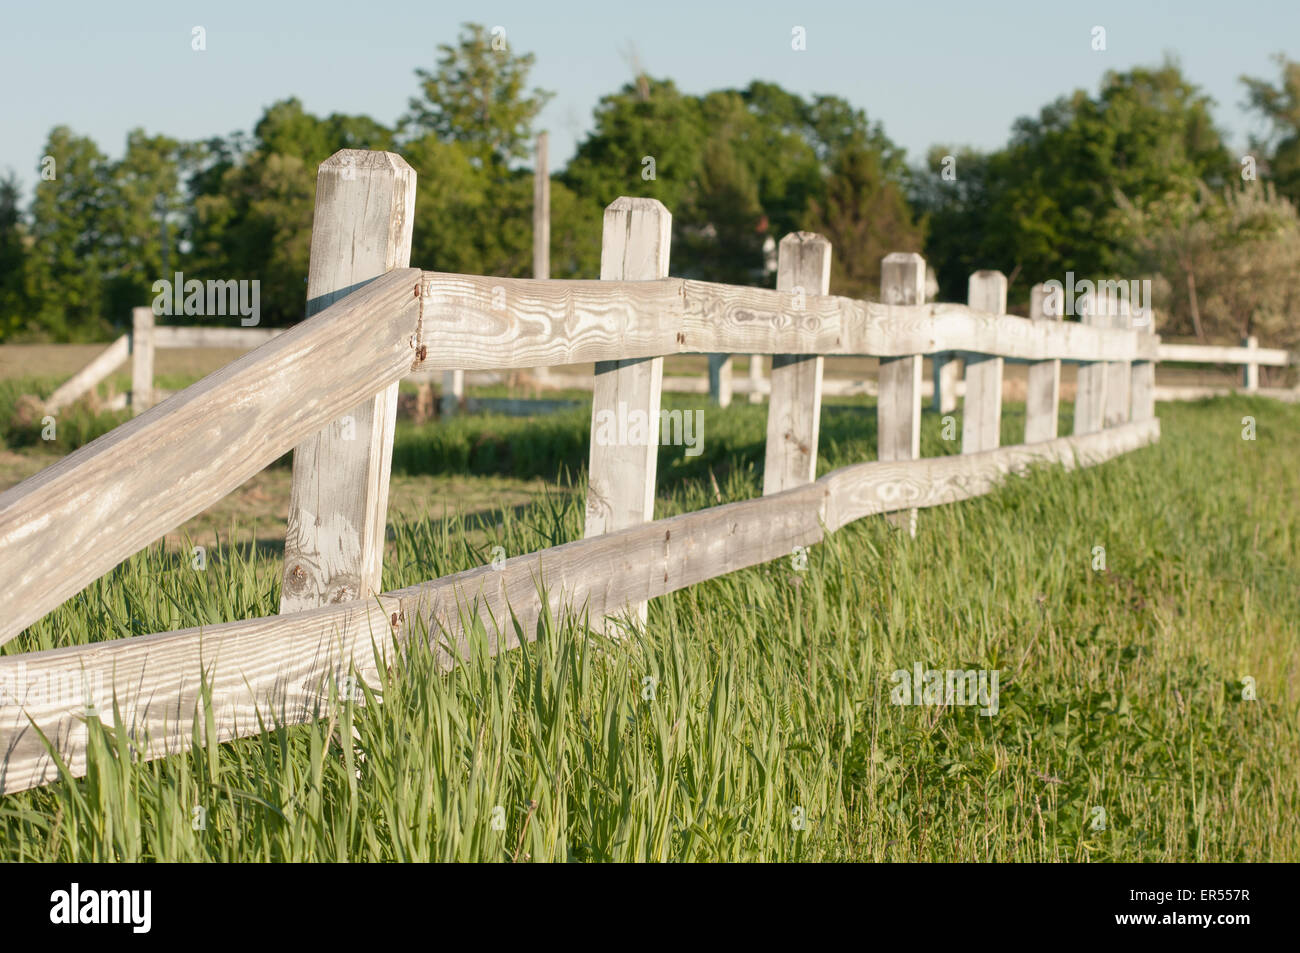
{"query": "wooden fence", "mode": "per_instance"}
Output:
(326, 388)
(139, 346)
(944, 388)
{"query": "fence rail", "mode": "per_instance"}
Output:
(372, 321)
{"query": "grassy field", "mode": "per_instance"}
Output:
(753, 718)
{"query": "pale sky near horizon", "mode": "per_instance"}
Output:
(931, 72)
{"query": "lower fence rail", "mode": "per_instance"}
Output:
(284, 669)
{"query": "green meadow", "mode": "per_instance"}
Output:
(1149, 709)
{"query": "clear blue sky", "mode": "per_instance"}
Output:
(932, 71)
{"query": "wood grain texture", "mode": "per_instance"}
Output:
(898, 407)
(80, 517)
(282, 666)
(166, 336)
(982, 407)
(142, 354)
(546, 323)
(86, 379)
(635, 245)
(338, 500)
(1043, 385)
(794, 407)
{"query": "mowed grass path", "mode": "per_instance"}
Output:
(753, 718)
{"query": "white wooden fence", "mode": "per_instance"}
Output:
(371, 321)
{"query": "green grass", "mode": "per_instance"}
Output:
(1120, 689)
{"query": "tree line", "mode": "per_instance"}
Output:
(1132, 181)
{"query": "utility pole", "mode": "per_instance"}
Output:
(542, 223)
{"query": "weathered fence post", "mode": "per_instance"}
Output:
(621, 472)
(1043, 392)
(720, 379)
(982, 411)
(794, 405)
(334, 544)
(423, 402)
(142, 352)
(1142, 382)
(755, 378)
(1250, 372)
(453, 392)
(898, 401)
(1090, 390)
(944, 368)
(1118, 373)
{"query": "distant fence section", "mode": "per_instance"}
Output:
(326, 389)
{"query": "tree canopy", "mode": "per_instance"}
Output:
(1133, 177)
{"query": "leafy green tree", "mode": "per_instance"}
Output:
(144, 219)
(467, 219)
(477, 98)
(723, 225)
(1280, 106)
(866, 217)
(1048, 202)
(1225, 264)
(647, 141)
(71, 262)
(254, 200)
(733, 166)
(15, 304)
(258, 227)
(464, 137)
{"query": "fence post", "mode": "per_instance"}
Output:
(1142, 380)
(944, 367)
(755, 378)
(794, 405)
(142, 351)
(720, 379)
(1090, 390)
(982, 411)
(946, 370)
(1043, 393)
(1250, 372)
(621, 472)
(453, 392)
(334, 544)
(898, 401)
(1118, 373)
(423, 402)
